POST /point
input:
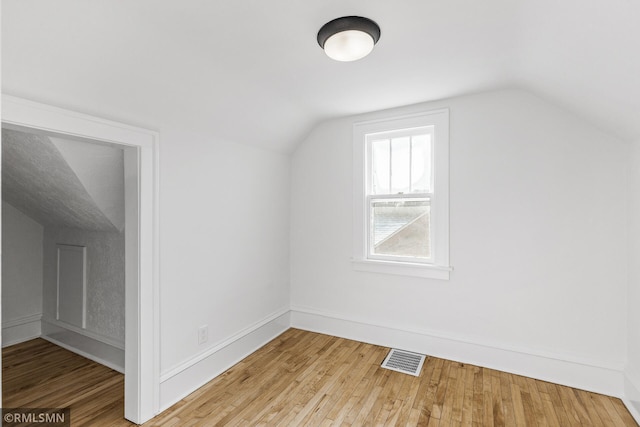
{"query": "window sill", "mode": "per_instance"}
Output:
(402, 269)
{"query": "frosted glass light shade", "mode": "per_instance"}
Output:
(348, 38)
(348, 45)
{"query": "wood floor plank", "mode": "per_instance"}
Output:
(615, 417)
(358, 397)
(467, 405)
(433, 422)
(585, 401)
(442, 374)
(401, 383)
(496, 395)
(573, 407)
(452, 387)
(507, 402)
(425, 396)
(622, 411)
(306, 385)
(518, 405)
(487, 399)
(326, 400)
(369, 417)
(346, 408)
(381, 409)
(550, 416)
(307, 379)
(600, 409)
(458, 396)
(357, 372)
(538, 406)
(478, 397)
(565, 417)
(529, 411)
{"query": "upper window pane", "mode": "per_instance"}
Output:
(381, 156)
(421, 163)
(401, 163)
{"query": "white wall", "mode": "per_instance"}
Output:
(224, 254)
(224, 246)
(22, 240)
(538, 239)
(633, 356)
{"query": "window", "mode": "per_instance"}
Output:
(401, 210)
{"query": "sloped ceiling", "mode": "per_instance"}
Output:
(100, 169)
(38, 180)
(251, 71)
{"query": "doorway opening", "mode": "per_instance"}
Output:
(140, 355)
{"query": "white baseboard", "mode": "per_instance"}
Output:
(87, 333)
(555, 368)
(19, 330)
(184, 379)
(632, 392)
(99, 351)
(633, 407)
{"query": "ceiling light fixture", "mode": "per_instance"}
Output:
(348, 38)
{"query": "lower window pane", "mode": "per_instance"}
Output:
(400, 228)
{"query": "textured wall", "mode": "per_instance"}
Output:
(105, 277)
(21, 264)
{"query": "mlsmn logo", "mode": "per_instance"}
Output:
(53, 417)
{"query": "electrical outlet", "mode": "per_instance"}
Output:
(203, 334)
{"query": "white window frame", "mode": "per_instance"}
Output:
(437, 267)
(370, 196)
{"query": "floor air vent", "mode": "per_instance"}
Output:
(404, 361)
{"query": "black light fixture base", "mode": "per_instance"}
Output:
(347, 23)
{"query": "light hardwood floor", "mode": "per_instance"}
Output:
(307, 379)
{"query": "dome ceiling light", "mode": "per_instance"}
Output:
(348, 38)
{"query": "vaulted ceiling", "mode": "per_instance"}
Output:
(250, 71)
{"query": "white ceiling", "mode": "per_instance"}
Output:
(251, 71)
